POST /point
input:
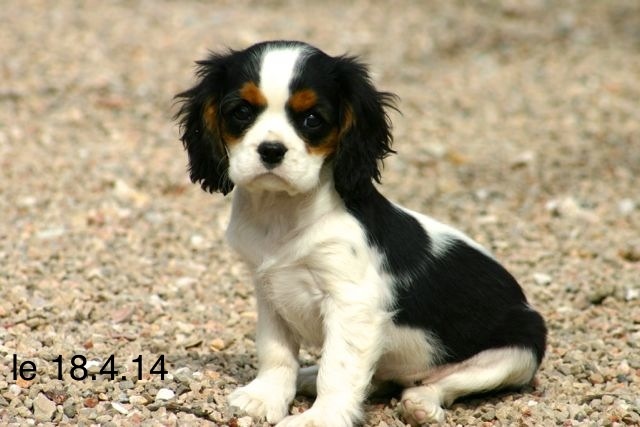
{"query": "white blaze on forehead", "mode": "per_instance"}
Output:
(277, 70)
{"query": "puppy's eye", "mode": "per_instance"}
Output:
(242, 114)
(312, 121)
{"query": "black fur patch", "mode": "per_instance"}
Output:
(463, 297)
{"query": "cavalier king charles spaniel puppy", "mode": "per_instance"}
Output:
(389, 295)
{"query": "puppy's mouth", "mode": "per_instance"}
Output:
(271, 181)
(270, 175)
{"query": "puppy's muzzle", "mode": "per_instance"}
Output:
(271, 153)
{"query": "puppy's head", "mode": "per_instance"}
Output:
(270, 117)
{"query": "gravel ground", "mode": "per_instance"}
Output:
(520, 125)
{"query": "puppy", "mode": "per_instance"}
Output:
(389, 295)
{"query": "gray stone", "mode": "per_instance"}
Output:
(43, 408)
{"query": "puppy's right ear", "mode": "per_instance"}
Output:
(200, 126)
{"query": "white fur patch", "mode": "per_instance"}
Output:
(442, 235)
(408, 354)
(277, 70)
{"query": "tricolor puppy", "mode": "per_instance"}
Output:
(388, 294)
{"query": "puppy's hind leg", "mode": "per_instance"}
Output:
(488, 370)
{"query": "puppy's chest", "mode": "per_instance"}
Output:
(297, 297)
(299, 272)
(283, 272)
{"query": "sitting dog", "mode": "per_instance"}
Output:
(388, 294)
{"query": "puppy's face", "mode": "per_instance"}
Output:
(278, 126)
(269, 118)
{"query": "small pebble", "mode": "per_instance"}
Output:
(103, 419)
(488, 415)
(69, 409)
(597, 295)
(631, 251)
(217, 344)
(183, 375)
(43, 408)
(568, 207)
(51, 233)
(596, 378)
(245, 422)
(198, 242)
(186, 281)
(608, 399)
(120, 408)
(165, 394)
(15, 389)
(542, 279)
(126, 385)
(93, 366)
(632, 294)
(626, 206)
(138, 400)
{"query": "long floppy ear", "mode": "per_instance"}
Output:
(366, 133)
(200, 123)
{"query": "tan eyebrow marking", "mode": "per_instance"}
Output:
(252, 94)
(303, 100)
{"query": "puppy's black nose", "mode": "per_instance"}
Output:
(271, 153)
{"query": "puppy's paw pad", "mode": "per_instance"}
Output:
(261, 401)
(416, 411)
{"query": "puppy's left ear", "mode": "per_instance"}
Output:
(200, 123)
(366, 130)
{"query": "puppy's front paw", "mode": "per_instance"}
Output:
(263, 400)
(318, 416)
(309, 418)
